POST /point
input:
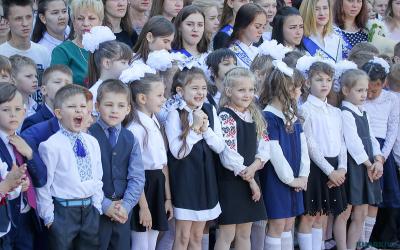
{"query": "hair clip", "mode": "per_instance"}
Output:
(382, 62)
(282, 67)
(98, 34)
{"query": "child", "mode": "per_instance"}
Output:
(249, 26)
(285, 176)
(70, 202)
(325, 192)
(219, 62)
(150, 215)
(54, 78)
(24, 76)
(167, 8)
(194, 136)
(5, 69)
(244, 133)
(122, 185)
(229, 11)
(396, 53)
(287, 28)
(382, 108)
(51, 24)
(364, 156)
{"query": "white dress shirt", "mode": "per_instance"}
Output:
(51, 42)
(384, 114)
(323, 129)
(354, 145)
(154, 154)
(396, 146)
(63, 179)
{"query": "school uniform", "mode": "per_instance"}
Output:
(71, 199)
(43, 113)
(289, 160)
(331, 49)
(31, 107)
(327, 149)
(245, 54)
(192, 173)
(240, 135)
(154, 156)
(221, 39)
(123, 179)
(361, 146)
(198, 61)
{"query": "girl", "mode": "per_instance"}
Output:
(371, 11)
(167, 8)
(4, 27)
(326, 192)
(190, 39)
(382, 107)
(249, 26)
(287, 28)
(319, 38)
(116, 17)
(229, 11)
(364, 167)
(285, 176)
(392, 20)
(211, 23)
(244, 132)
(150, 215)
(270, 9)
(157, 34)
(51, 26)
(85, 14)
(138, 11)
(194, 136)
(350, 17)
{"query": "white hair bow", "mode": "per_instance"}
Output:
(98, 34)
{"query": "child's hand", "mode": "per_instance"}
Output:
(370, 172)
(337, 177)
(198, 119)
(304, 182)
(248, 173)
(255, 190)
(204, 127)
(378, 170)
(22, 147)
(145, 218)
(25, 184)
(169, 209)
(49, 225)
(15, 176)
(121, 213)
(112, 210)
(330, 184)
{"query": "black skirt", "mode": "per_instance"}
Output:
(154, 190)
(319, 198)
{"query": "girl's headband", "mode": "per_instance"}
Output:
(382, 62)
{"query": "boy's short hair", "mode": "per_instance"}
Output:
(7, 4)
(5, 65)
(18, 61)
(215, 57)
(55, 68)
(7, 92)
(397, 49)
(66, 92)
(393, 78)
(113, 86)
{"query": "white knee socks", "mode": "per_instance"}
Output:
(305, 241)
(271, 243)
(316, 238)
(144, 240)
(287, 241)
(368, 227)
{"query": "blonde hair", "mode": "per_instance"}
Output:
(94, 5)
(232, 78)
(307, 11)
(350, 78)
(205, 4)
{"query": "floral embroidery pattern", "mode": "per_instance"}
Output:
(228, 125)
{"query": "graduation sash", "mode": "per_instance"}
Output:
(227, 29)
(183, 51)
(241, 54)
(346, 45)
(315, 50)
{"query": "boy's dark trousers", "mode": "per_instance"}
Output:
(5, 243)
(74, 227)
(114, 235)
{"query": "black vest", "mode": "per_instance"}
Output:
(4, 218)
(115, 160)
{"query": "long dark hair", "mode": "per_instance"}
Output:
(126, 23)
(40, 27)
(158, 26)
(177, 43)
(279, 21)
(338, 14)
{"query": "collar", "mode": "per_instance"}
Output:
(71, 135)
(183, 105)
(316, 101)
(354, 108)
(51, 39)
(51, 111)
(148, 121)
(104, 126)
(4, 137)
(277, 112)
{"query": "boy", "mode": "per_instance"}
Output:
(24, 76)
(19, 16)
(70, 202)
(54, 78)
(123, 185)
(5, 69)
(14, 150)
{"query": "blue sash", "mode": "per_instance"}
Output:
(314, 49)
(241, 54)
(346, 45)
(227, 29)
(183, 51)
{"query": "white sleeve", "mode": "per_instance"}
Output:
(263, 149)
(393, 126)
(343, 154)
(214, 137)
(305, 159)
(173, 131)
(280, 164)
(98, 170)
(376, 147)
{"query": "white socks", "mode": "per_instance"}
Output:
(316, 238)
(305, 241)
(144, 240)
(287, 240)
(271, 243)
(257, 235)
(368, 227)
(205, 242)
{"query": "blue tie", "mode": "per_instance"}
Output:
(112, 137)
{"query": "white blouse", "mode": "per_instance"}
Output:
(154, 154)
(323, 129)
(396, 146)
(384, 114)
(245, 54)
(332, 45)
(354, 144)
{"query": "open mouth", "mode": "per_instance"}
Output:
(78, 121)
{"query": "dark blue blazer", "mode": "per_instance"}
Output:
(42, 114)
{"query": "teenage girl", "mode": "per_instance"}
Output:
(249, 26)
(211, 25)
(319, 38)
(270, 7)
(285, 175)
(326, 192)
(364, 167)
(150, 215)
(51, 25)
(194, 136)
(287, 28)
(244, 132)
(167, 8)
(229, 11)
